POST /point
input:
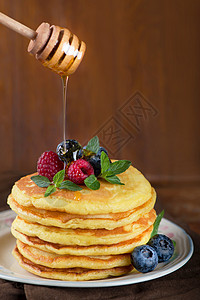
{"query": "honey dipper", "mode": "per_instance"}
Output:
(57, 48)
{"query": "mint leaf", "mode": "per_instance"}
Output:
(69, 185)
(41, 181)
(92, 183)
(113, 179)
(157, 223)
(93, 145)
(50, 190)
(105, 162)
(59, 177)
(118, 167)
(174, 243)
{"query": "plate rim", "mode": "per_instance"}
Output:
(101, 283)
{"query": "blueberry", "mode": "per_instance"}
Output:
(95, 161)
(163, 246)
(144, 258)
(83, 153)
(100, 150)
(80, 154)
(67, 151)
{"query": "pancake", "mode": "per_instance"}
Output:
(71, 274)
(118, 248)
(82, 235)
(85, 237)
(66, 220)
(53, 260)
(110, 198)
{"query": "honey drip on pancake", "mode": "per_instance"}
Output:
(77, 195)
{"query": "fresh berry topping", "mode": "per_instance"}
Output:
(163, 246)
(95, 161)
(82, 153)
(79, 170)
(144, 258)
(49, 164)
(100, 150)
(67, 151)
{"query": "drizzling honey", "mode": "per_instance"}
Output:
(61, 51)
(64, 84)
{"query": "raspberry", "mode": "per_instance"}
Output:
(49, 164)
(79, 170)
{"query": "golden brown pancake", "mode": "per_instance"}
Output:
(113, 249)
(110, 198)
(71, 274)
(85, 237)
(66, 220)
(53, 260)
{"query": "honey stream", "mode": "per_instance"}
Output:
(64, 84)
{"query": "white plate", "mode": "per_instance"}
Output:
(10, 270)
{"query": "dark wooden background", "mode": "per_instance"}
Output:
(139, 53)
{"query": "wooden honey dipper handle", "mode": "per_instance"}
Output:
(18, 27)
(57, 48)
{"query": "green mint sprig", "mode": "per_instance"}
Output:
(157, 223)
(92, 183)
(93, 145)
(109, 171)
(50, 190)
(58, 182)
(113, 179)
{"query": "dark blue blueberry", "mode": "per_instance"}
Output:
(80, 154)
(68, 151)
(144, 258)
(163, 246)
(100, 150)
(95, 161)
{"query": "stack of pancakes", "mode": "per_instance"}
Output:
(82, 235)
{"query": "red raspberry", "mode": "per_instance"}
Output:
(79, 170)
(49, 164)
